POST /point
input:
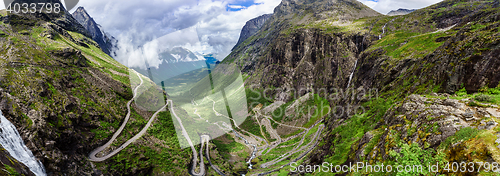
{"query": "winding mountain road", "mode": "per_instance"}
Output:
(313, 144)
(193, 172)
(206, 139)
(93, 154)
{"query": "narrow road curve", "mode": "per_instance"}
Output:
(193, 172)
(270, 118)
(253, 146)
(295, 150)
(321, 127)
(236, 124)
(93, 154)
(279, 140)
(206, 139)
(269, 128)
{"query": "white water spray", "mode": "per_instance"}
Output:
(383, 28)
(352, 74)
(254, 149)
(383, 31)
(13, 143)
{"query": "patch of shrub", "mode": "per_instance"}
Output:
(483, 98)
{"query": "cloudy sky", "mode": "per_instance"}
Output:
(203, 26)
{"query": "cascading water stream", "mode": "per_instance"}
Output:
(14, 144)
(352, 74)
(254, 149)
(383, 29)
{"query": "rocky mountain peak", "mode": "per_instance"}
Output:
(81, 14)
(400, 12)
(322, 9)
(252, 27)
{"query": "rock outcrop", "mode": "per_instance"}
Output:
(10, 166)
(428, 122)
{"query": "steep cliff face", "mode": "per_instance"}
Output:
(252, 27)
(105, 41)
(10, 166)
(456, 42)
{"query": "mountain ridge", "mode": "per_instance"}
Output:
(400, 12)
(251, 27)
(62, 92)
(106, 42)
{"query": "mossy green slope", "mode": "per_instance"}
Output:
(67, 97)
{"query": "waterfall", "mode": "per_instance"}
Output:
(383, 28)
(352, 74)
(383, 31)
(13, 143)
(254, 149)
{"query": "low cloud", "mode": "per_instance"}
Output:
(203, 26)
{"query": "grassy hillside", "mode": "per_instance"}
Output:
(67, 97)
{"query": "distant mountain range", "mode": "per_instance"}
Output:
(105, 40)
(179, 54)
(400, 12)
(177, 61)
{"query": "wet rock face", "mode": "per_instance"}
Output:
(8, 161)
(308, 59)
